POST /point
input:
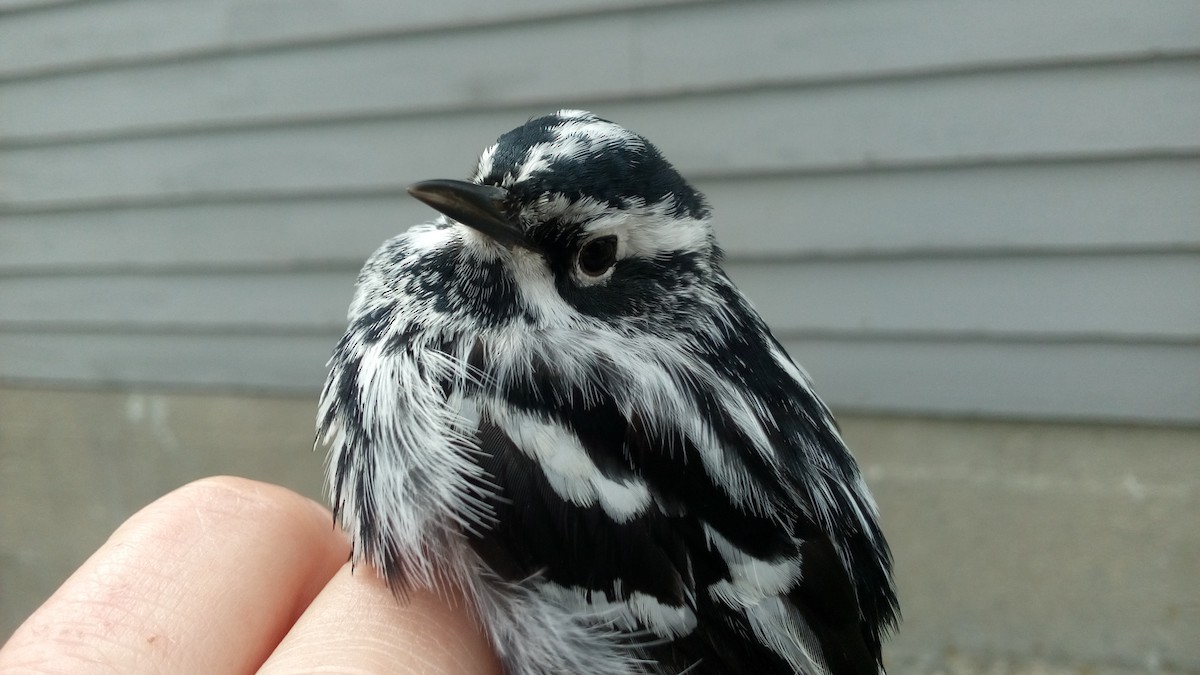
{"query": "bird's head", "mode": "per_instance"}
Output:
(581, 219)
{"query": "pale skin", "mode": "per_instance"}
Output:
(228, 575)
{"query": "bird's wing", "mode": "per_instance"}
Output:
(625, 522)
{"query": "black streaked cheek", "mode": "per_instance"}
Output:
(460, 285)
(491, 292)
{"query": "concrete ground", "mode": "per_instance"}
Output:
(1021, 549)
(958, 664)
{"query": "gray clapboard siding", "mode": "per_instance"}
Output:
(1139, 205)
(1119, 383)
(313, 83)
(261, 361)
(645, 54)
(1050, 297)
(1020, 207)
(264, 234)
(942, 206)
(13, 7)
(305, 300)
(100, 34)
(954, 377)
(1136, 109)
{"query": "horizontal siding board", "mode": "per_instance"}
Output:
(786, 41)
(681, 47)
(421, 73)
(91, 33)
(7, 6)
(268, 362)
(1113, 383)
(213, 236)
(1046, 207)
(1100, 295)
(595, 58)
(1104, 297)
(256, 302)
(1062, 113)
(1135, 205)
(1045, 381)
(210, 236)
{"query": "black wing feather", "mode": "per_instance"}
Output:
(663, 552)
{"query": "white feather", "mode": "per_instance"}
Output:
(751, 581)
(569, 469)
(624, 610)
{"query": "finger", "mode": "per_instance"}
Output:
(206, 579)
(357, 624)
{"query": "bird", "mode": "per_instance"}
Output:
(552, 401)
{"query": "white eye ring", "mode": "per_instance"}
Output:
(596, 258)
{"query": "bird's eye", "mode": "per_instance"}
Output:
(598, 256)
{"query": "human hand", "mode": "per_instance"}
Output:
(228, 575)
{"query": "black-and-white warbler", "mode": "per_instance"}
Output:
(554, 398)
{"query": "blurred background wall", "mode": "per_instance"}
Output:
(976, 224)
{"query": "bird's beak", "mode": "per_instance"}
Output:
(480, 207)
